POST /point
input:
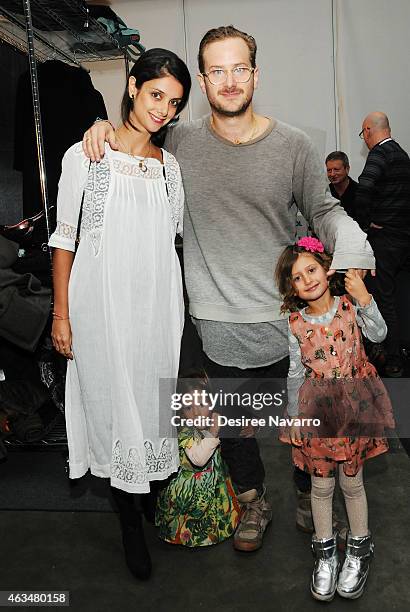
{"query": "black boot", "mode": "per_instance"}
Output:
(148, 501)
(149, 505)
(137, 556)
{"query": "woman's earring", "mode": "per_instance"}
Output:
(131, 96)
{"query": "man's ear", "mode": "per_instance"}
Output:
(201, 81)
(256, 77)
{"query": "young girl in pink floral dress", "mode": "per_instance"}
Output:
(331, 382)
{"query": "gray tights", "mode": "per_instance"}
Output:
(355, 500)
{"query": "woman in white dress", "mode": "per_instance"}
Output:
(118, 307)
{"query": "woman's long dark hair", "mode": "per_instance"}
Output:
(154, 64)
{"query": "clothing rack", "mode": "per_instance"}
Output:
(62, 30)
(50, 30)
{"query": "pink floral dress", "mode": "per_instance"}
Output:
(341, 389)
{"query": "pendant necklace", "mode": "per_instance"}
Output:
(142, 162)
(236, 140)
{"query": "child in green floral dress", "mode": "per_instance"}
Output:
(198, 507)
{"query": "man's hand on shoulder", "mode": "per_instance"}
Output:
(95, 138)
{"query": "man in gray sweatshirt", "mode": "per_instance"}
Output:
(245, 176)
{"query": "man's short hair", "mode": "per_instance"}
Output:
(220, 34)
(338, 156)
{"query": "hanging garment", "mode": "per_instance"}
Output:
(24, 303)
(69, 105)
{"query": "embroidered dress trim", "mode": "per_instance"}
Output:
(65, 230)
(132, 168)
(174, 185)
(131, 470)
(95, 197)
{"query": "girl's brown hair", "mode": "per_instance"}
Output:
(283, 276)
(191, 380)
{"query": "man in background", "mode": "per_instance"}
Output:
(342, 186)
(383, 200)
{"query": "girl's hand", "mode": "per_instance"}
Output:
(295, 436)
(356, 287)
(61, 337)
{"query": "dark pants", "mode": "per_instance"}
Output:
(392, 254)
(242, 454)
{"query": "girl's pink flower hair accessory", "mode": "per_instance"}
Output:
(310, 244)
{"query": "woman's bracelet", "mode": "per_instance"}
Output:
(59, 317)
(98, 119)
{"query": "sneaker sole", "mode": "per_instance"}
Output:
(354, 595)
(319, 597)
(245, 546)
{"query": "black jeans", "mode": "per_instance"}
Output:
(392, 255)
(242, 455)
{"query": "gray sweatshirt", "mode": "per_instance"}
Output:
(240, 212)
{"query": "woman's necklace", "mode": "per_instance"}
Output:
(237, 141)
(142, 162)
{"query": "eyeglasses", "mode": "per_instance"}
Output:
(361, 135)
(241, 74)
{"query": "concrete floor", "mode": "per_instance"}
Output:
(81, 552)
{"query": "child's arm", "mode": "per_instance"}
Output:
(294, 382)
(371, 322)
(368, 315)
(295, 374)
(202, 450)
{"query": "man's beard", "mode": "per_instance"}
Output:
(230, 113)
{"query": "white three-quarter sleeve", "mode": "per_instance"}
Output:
(73, 178)
(371, 322)
(295, 375)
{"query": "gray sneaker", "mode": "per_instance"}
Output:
(256, 515)
(304, 520)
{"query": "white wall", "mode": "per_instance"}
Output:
(295, 54)
(373, 68)
(160, 23)
(296, 70)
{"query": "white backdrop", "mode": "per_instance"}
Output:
(307, 51)
(373, 70)
(296, 83)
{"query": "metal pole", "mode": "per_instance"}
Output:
(37, 117)
(127, 65)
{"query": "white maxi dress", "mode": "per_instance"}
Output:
(126, 312)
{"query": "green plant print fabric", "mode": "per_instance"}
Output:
(199, 506)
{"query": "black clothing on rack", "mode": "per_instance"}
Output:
(69, 105)
(24, 303)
